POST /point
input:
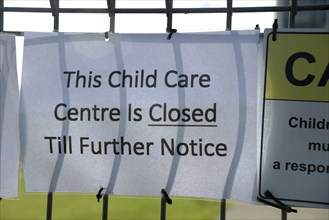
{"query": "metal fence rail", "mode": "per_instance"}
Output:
(54, 8)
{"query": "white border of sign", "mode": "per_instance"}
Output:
(261, 188)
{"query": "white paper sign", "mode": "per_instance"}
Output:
(9, 143)
(140, 113)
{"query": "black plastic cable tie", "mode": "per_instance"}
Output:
(275, 28)
(280, 204)
(268, 203)
(166, 196)
(171, 33)
(99, 195)
(107, 36)
(271, 196)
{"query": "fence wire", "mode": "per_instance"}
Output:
(293, 8)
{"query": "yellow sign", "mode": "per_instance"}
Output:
(297, 67)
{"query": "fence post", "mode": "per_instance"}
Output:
(54, 4)
(1, 15)
(169, 5)
(229, 15)
(111, 11)
(105, 207)
(293, 13)
(164, 200)
(49, 205)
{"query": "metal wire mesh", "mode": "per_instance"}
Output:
(292, 9)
